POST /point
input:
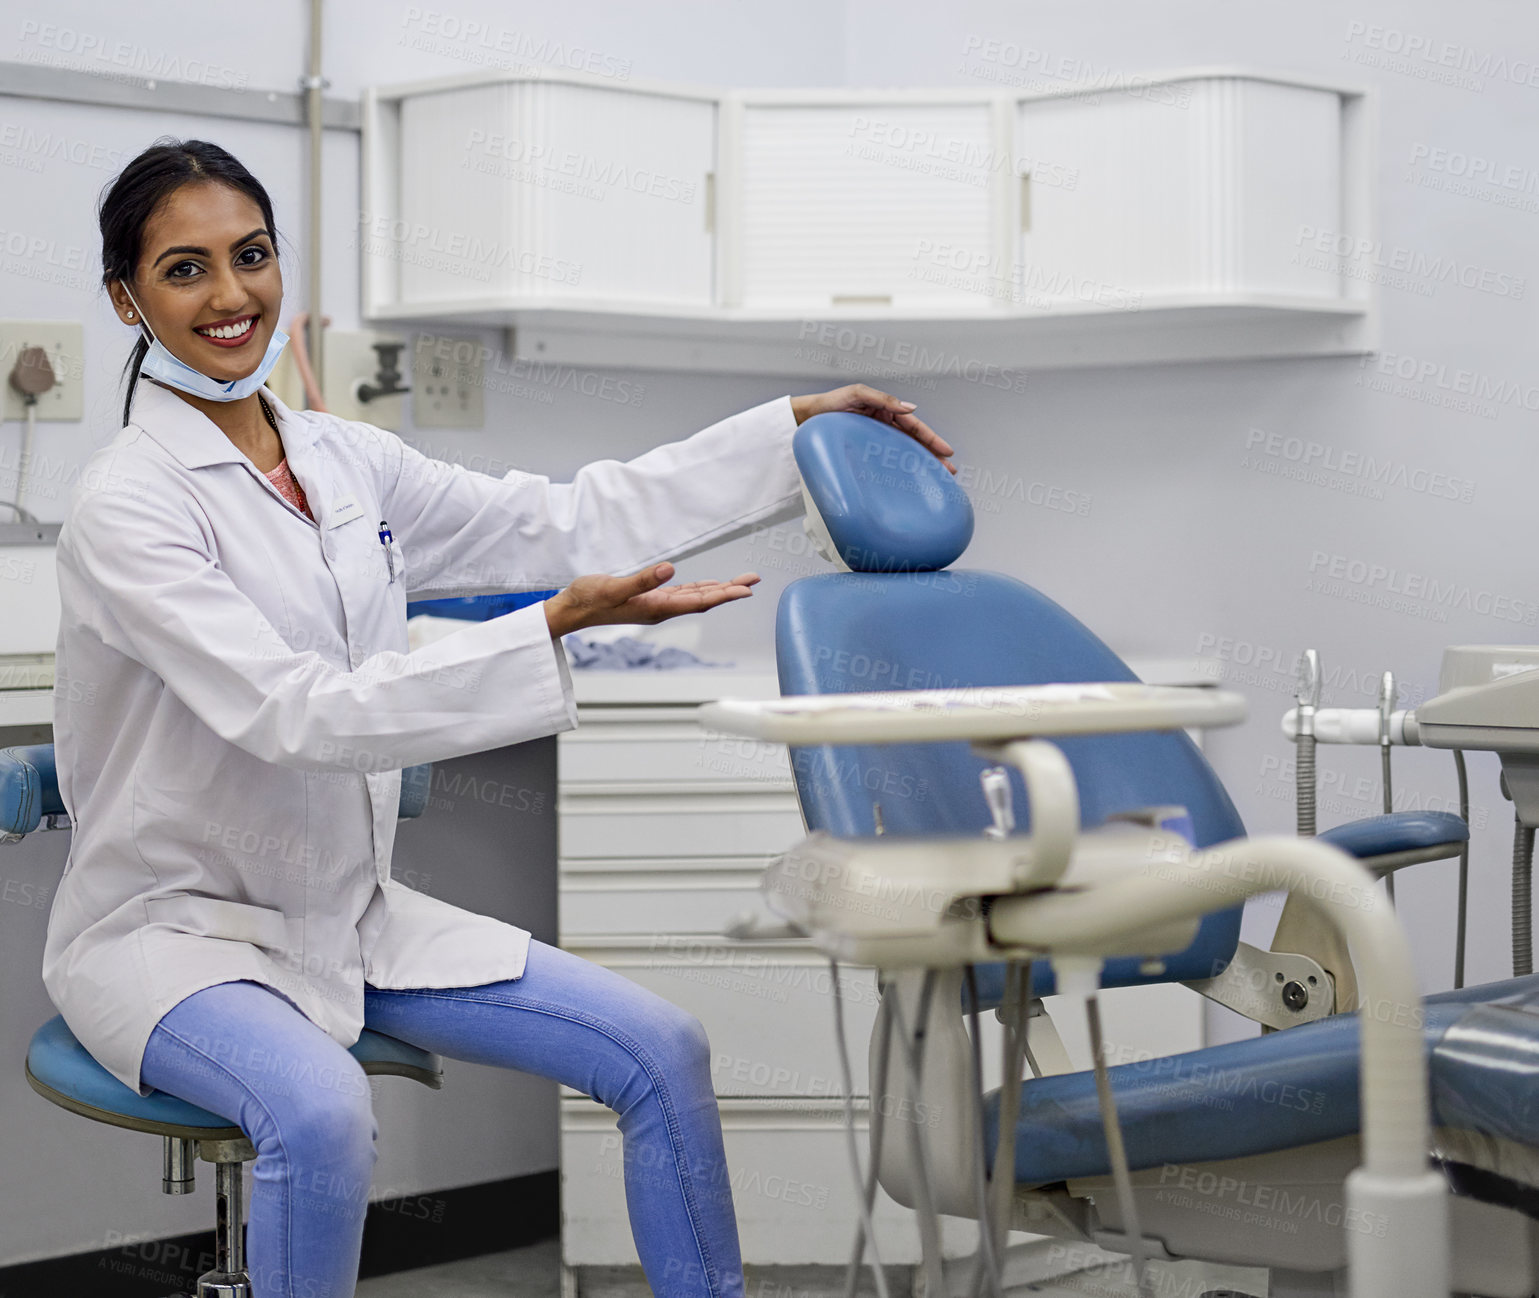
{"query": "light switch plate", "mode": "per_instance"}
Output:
(64, 341)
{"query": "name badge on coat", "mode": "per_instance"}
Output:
(343, 510)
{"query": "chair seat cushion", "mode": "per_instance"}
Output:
(1400, 831)
(1285, 1089)
(58, 1063)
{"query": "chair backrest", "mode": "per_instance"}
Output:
(915, 624)
(29, 790)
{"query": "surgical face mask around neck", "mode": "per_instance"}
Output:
(160, 365)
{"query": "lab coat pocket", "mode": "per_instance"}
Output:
(235, 921)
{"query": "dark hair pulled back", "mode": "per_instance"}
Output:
(134, 197)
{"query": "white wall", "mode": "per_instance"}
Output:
(1193, 541)
(55, 160)
(1196, 538)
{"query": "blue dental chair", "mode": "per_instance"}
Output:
(61, 1070)
(1276, 1110)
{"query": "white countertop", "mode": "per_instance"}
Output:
(756, 680)
(26, 707)
(747, 679)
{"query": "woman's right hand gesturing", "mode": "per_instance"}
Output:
(600, 600)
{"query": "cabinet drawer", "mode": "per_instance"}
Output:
(792, 1187)
(677, 751)
(644, 824)
(766, 1006)
(687, 895)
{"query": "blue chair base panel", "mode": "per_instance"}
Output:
(61, 1070)
(1284, 1090)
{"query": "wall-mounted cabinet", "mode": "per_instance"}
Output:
(836, 201)
(871, 233)
(1201, 194)
(485, 195)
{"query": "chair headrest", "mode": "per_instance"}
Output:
(878, 501)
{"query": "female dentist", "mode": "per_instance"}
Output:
(234, 704)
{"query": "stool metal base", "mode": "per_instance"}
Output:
(214, 1285)
(228, 1148)
(228, 1278)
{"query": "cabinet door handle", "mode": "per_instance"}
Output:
(1025, 202)
(710, 202)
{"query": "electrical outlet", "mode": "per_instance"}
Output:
(349, 361)
(448, 382)
(64, 341)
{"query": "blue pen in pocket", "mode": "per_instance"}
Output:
(387, 540)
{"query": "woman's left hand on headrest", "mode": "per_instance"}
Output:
(864, 400)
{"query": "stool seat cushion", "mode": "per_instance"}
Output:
(62, 1070)
(29, 789)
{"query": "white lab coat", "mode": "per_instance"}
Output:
(234, 696)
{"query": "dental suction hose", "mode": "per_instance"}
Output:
(1304, 742)
(1397, 1208)
(1522, 899)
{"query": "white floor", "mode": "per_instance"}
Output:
(535, 1272)
(532, 1272)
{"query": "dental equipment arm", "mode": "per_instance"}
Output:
(1488, 700)
(1136, 891)
(1353, 726)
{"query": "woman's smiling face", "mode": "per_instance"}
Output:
(208, 281)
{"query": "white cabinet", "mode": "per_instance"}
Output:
(837, 202)
(875, 232)
(664, 832)
(1202, 191)
(538, 191)
(791, 1190)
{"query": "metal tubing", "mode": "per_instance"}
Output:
(867, 1230)
(315, 115)
(1464, 868)
(1308, 699)
(1522, 899)
(178, 1165)
(229, 1218)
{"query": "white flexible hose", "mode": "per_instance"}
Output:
(1394, 1074)
(1399, 1247)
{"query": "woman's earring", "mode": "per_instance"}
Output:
(130, 315)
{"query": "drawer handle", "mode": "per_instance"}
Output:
(746, 928)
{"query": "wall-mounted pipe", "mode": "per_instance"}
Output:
(314, 113)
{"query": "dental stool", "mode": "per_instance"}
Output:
(61, 1070)
(1280, 1109)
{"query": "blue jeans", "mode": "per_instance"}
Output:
(242, 1051)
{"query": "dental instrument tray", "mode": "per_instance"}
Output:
(980, 714)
